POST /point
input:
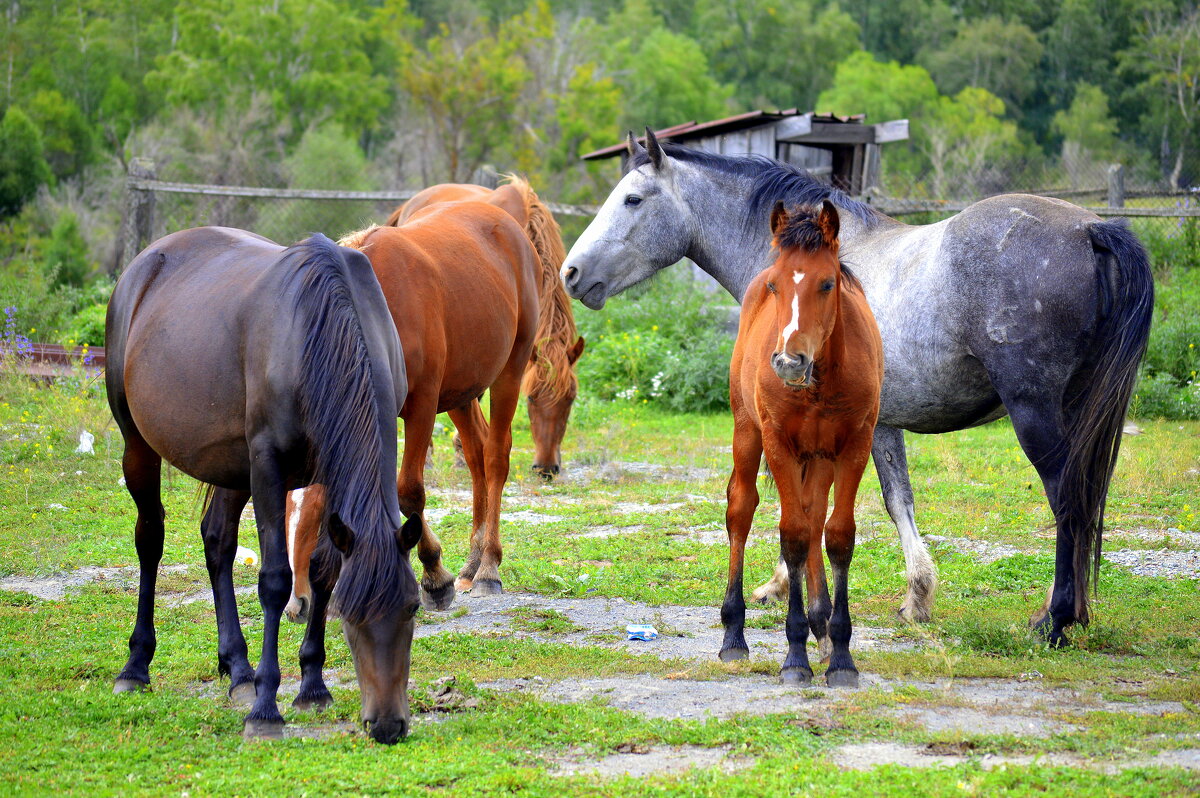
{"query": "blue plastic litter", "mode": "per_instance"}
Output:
(641, 631)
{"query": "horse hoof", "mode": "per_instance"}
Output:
(243, 695)
(733, 654)
(130, 686)
(842, 677)
(258, 729)
(911, 612)
(440, 598)
(297, 610)
(796, 677)
(317, 701)
(486, 587)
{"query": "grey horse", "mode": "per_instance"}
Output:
(1020, 304)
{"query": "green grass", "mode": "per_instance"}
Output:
(65, 732)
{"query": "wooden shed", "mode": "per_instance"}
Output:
(840, 149)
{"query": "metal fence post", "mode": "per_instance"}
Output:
(1116, 186)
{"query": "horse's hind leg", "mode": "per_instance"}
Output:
(322, 575)
(219, 530)
(742, 495)
(437, 584)
(142, 468)
(473, 431)
(891, 463)
(305, 508)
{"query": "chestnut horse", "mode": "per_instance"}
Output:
(256, 369)
(804, 386)
(461, 281)
(550, 384)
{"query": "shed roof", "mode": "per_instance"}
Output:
(693, 130)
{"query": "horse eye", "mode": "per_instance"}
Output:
(771, 287)
(633, 199)
(827, 285)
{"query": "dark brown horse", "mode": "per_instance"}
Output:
(550, 385)
(257, 369)
(804, 386)
(461, 280)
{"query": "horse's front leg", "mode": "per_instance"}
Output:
(839, 542)
(274, 584)
(323, 571)
(892, 466)
(220, 532)
(742, 495)
(818, 479)
(795, 533)
(504, 395)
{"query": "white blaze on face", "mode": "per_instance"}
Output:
(794, 324)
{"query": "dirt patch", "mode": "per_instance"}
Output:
(867, 756)
(625, 471)
(608, 531)
(57, 586)
(982, 551)
(1157, 562)
(648, 762)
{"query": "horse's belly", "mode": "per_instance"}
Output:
(938, 395)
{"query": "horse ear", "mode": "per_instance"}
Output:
(410, 532)
(340, 535)
(654, 149)
(778, 218)
(829, 223)
(575, 351)
(632, 145)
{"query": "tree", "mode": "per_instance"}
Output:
(969, 144)
(1166, 56)
(989, 53)
(776, 54)
(1088, 132)
(68, 140)
(23, 167)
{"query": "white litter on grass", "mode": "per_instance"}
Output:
(86, 439)
(55, 506)
(121, 481)
(245, 556)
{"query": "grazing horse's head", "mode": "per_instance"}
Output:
(804, 282)
(380, 642)
(549, 405)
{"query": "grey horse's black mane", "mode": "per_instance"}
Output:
(774, 181)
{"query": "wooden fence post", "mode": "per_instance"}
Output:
(1116, 186)
(139, 210)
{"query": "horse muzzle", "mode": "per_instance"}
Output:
(796, 372)
(387, 731)
(546, 472)
(593, 294)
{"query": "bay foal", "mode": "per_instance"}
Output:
(804, 388)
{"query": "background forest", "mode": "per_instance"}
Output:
(362, 94)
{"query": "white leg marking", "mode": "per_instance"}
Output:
(293, 524)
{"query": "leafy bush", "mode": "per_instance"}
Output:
(87, 327)
(666, 344)
(1169, 387)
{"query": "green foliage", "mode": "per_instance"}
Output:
(990, 53)
(666, 345)
(1087, 121)
(66, 253)
(1169, 387)
(23, 167)
(68, 141)
(778, 55)
(87, 326)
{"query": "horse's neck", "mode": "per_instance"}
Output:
(728, 248)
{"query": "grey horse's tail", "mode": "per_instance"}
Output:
(1096, 414)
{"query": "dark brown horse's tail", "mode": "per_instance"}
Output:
(1096, 415)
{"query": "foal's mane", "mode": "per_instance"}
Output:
(801, 231)
(550, 373)
(340, 415)
(773, 181)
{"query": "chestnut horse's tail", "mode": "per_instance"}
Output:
(1096, 415)
(342, 418)
(550, 371)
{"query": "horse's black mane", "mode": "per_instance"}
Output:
(774, 181)
(341, 418)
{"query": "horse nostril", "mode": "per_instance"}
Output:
(568, 274)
